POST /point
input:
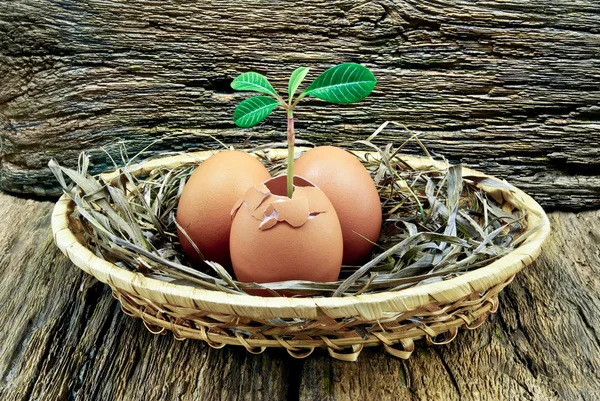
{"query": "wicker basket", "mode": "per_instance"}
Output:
(342, 325)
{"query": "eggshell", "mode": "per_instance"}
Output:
(351, 190)
(275, 238)
(206, 201)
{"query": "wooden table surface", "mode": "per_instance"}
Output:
(63, 337)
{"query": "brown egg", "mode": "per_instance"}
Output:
(275, 238)
(351, 190)
(204, 209)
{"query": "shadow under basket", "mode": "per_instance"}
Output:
(344, 325)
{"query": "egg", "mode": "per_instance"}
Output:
(205, 204)
(275, 238)
(351, 190)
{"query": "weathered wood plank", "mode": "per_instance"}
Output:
(64, 338)
(511, 88)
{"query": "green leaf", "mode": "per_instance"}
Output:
(296, 79)
(252, 111)
(344, 83)
(255, 82)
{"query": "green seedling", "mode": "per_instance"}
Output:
(344, 83)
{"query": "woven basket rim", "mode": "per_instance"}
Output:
(366, 306)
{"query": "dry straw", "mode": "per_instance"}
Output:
(452, 239)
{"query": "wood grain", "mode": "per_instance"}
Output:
(64, 337)
(510, 88)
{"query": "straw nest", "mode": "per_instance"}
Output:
(452, 238)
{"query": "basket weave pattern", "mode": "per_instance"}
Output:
(301, 338)
(434, 312)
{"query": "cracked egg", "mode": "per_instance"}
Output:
(275, 238)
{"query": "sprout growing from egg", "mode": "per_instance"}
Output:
(344, 83)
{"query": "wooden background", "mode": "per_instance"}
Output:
(511, 88)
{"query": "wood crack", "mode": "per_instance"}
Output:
(448, 371)
(586, 322)
(92, 353)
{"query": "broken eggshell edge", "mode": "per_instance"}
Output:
(275, 238)
(271, 209)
